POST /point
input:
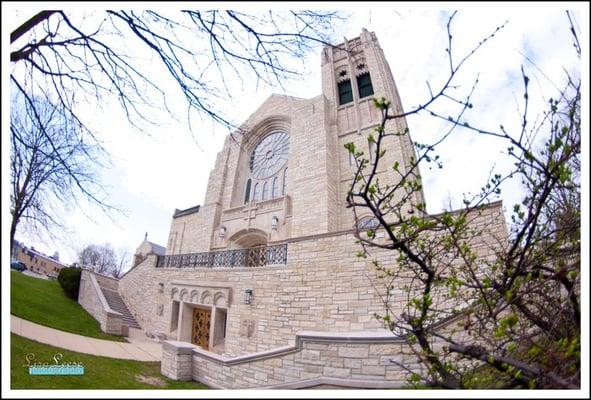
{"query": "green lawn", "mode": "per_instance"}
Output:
(43, 302)
(99, 372)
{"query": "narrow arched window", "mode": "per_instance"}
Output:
(265, 191)
(345, 92)
(247, 191)
(274, 189)
(284, 191)
(364, 85)
(255, 194)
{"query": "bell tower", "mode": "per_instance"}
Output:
(353, 74)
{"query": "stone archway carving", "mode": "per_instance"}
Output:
(219, 300)
(201, 294)
(247, 238)
(206, 298)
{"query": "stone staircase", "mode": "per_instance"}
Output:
(116, 303)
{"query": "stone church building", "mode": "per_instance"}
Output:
(260, 285)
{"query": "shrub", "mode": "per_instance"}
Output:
(69, 280)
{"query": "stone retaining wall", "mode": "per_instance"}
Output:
(107, 281)
(345, 360)
(91, 298)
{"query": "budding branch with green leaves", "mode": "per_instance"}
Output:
(508, 294)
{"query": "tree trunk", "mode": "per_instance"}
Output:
(13, 225)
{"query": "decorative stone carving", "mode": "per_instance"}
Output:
(247, 327)
(159, 309)
(210, 295)
(219, 300)
(206, 297)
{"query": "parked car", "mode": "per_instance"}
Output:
(17, 265)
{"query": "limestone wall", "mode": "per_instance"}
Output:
(88, 298)
(177, 360)
(107, 281)
(188, 233)
(311, 171)
(348, 360)
(323, 287)
(92, 300)
(317, 360)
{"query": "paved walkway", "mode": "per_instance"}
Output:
(140, 350)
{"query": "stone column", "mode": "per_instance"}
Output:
(180, 321)
(212, 329)
(185, 322)
(177, 360)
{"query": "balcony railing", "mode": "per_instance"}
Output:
(253, 257)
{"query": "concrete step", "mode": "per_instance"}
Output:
(116, 303)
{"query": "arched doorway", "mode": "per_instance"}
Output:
(254, 244)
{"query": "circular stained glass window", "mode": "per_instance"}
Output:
(270, 155)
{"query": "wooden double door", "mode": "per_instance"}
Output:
(201, 327)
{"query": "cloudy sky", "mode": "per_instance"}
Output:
(167, 169)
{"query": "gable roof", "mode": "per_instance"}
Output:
(156, 248)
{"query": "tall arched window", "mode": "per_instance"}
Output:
(364, 85)
(255, 195)
(266, 167)
(284, 191)
(265, 187)
(274, 189)
(345, 92)
(247, 191)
